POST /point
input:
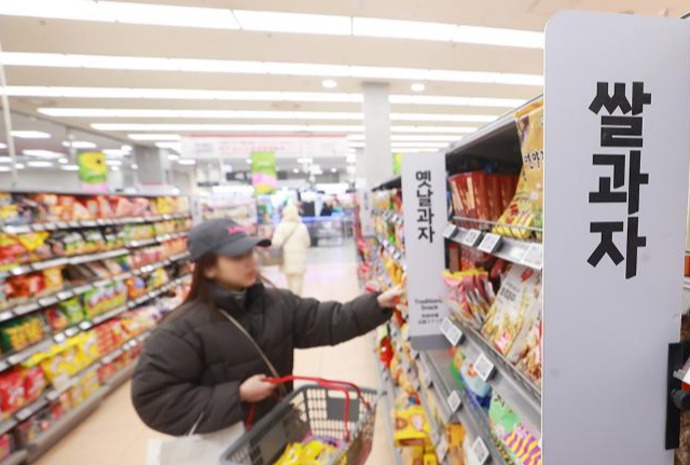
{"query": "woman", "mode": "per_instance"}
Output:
(293, 236)
(200, 372)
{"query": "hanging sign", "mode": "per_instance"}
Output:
(264, 175)
(616, 188)
(424, 191)
(93, 171)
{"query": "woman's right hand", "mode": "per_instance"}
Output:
(256, 389)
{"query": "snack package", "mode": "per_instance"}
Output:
(470, 295)
(493, 196)
(529, 355)
(521, 446)
(515, 308)
(52, 278)
(526, 208)
(413, 455)
(12, 396)
(411, 428)
(479, 391)
(5, 446)
(34, 383)
(72, 310)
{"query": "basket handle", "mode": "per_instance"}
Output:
(341, 386)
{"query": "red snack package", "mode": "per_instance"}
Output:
(34, 383)
(508, 184)
(477, 196)
(455, 188)
(493, 192)
(12, 396)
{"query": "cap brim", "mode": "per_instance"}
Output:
(243, 246)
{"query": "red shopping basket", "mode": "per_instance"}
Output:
(333, 409)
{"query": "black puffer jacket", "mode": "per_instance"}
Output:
(193, 364)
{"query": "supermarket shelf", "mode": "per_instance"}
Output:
(17, 458)
(388, 403)
(395, 182)
(389, 215)
(475, 420)
(53, 262)
(525, 253)
(157, 239)
(157, 292)
(60, 225)
(149, 268)
(513, 387)
(393, 251)
(119, 378)
(65, 425)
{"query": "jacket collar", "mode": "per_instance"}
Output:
(236, 303)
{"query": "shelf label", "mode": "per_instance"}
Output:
(452, 332)
(481, 453)
(534, 256)
(490, 243)
(484, 368)
(6, 315)
(426, 377)
(442, 448)
(454, 402)
(450, 231)
(471, 237)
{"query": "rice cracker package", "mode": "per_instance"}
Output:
(526, 208)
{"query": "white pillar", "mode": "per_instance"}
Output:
(153, 164)
(376, 164)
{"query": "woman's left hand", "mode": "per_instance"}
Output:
(391, 297)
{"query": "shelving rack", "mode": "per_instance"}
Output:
(497, 142)
(66, 423)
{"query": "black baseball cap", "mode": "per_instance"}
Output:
(222, 237)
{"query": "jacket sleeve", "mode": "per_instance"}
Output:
(306, 239)
(278, 235)
(167, 395)
(330, 323)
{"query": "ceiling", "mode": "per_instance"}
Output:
(251, 67)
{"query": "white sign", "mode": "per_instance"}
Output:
(230, 146)
(481, 453)
(454, 401)
(484, 368)
(365, 213)
(471, 237)
(490, 243)
(424, 191)
(616, 195)
(452, 332)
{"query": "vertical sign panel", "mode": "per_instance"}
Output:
(264, 175)
(616, 189)
(365, 218)
(93, 171)
(424, 194)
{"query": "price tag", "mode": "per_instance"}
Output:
(61, 224)
(416, 385)
(442, 449)
(484, 368)
(59, 338)
(414, 353)
(6, 315)
(454, 402)
(64, 295)
(534, 256)
(435, 438)
(452, 332)
(50, 226)
(426, 377)
(26, 309)
(481, 453)
(490, 243)
(46, 301)
(38, 227)
(88, 223)
(471, 237)
(450, 232)
(4, 365)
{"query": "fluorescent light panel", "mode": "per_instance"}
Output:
(413, 137)
(257, 67)
(253, 128)
(269, 21)
(79, 144)
(230, 114)
(251, 96)
(47, 154)
(40, 164)
(154, 137)
(30, 135)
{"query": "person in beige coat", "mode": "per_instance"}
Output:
(293, 236)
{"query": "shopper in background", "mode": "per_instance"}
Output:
(293, 236)
(326, 208)
(204, 369)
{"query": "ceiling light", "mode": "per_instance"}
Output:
(49, 154)
(257, 67)
(270, 21)
(5, 159)
(334, 170)
(114, 168)
(113, 162)
(259, 96)
(69, 168)
(168, 15)
(153, 137)
(176, 146)
(186, 161)
(295, 170)
(329, 84)
(63, 161)
(19, 166)
(351, 159)
(126, 148)
(64, 9)
(497, 36)
(442, 117)
(251, 128)
(5, 168)
(40, 164)
(3, 146)
(79, 144)
(392, 28)
(249, 161)
(173, 157)
(30, 135)
(135, 166)
(434, 129)
(417, 87)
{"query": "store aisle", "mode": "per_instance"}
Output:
(114, 435)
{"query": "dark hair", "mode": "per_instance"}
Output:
(200, 289)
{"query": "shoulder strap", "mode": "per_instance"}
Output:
(268, 363)
(287, 238)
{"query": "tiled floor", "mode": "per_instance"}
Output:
(114, 435)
